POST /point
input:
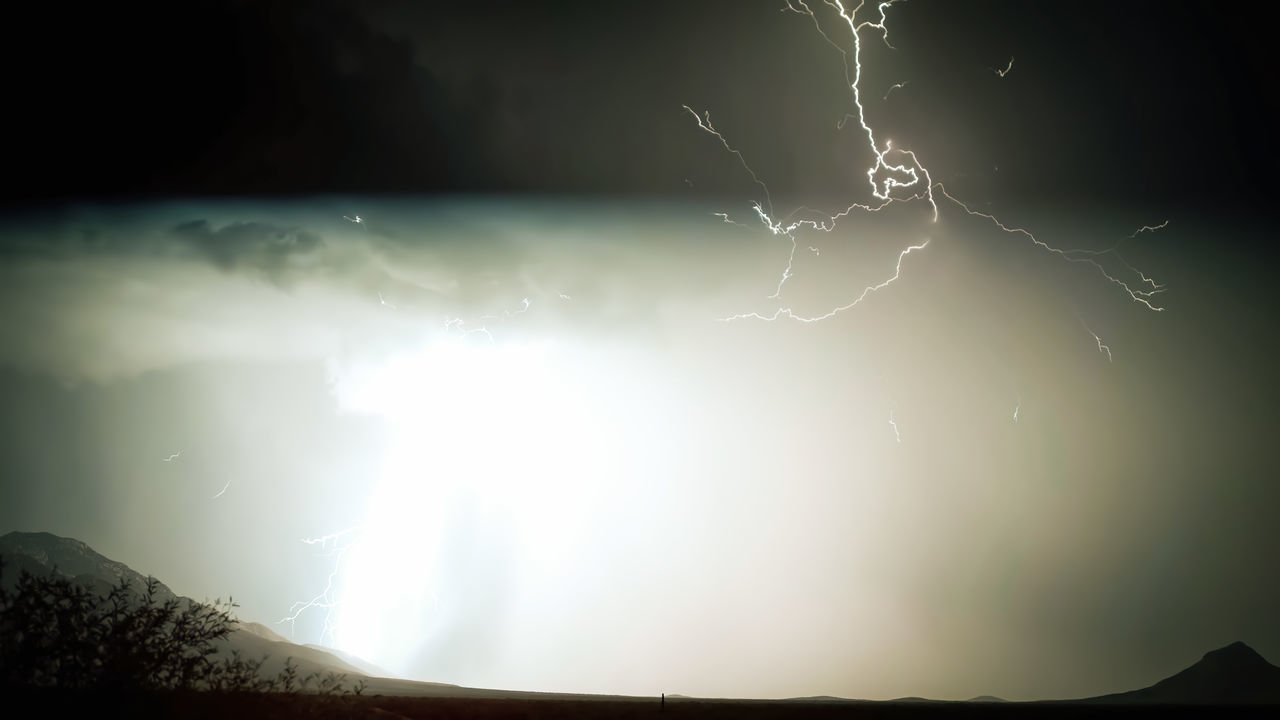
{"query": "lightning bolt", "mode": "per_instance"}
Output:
(1149, 228)
(357, 219)
(1138, 295)
(725, 217)
(1006, 69)
(174, 456)
(325, 599)
(896, 435)
(1102, 347)
(459, 325)
(895, 86)
(324, 540)
(904, 173)
(893, 175)
(704, 124)
(223, 490)
(524, 308)
(789, 313)
(1016, 409)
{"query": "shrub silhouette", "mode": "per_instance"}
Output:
(57, 633)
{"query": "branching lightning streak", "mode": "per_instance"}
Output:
(524, 307)
(457, 323)
(789, 313)
(725, 217)
(1102, 347)
(1137, 295)
(325, 600)
(174, 456)
(896, 435)
(1148, 228)
(223, 490)
(357, 219)
(881, 190)
(704, 123)
(895, 86)
(912, 176)
(324, 540)
(1016, 409)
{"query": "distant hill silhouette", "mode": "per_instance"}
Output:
(1233, 675)
(41, 553)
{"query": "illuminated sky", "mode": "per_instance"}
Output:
(506, 389)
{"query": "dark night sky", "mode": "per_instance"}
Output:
(1145, 99)
(509, 383)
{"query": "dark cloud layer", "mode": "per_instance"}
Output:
(248, 245)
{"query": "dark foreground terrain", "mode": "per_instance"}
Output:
(283, 705)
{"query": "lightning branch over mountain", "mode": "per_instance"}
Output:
(326, 600)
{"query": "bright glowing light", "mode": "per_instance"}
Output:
(494, 433)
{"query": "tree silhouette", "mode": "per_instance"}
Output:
(57, 633)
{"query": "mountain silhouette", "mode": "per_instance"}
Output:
(43, 554)
(1232, 675)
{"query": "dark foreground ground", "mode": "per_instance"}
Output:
(275, 705)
